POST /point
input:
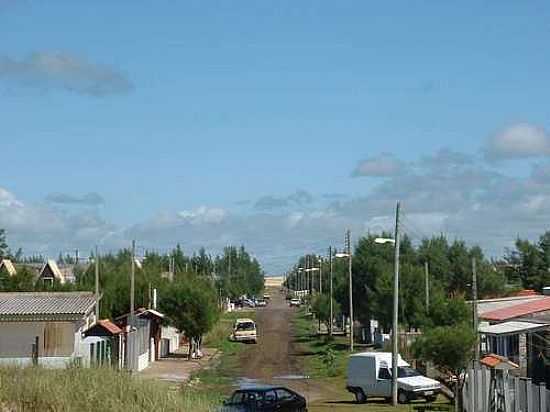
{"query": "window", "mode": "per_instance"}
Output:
(284, 395)
(270, 397)
(406, 372)
(238, 398)
(384, 373)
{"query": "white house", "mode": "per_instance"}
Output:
(45, 327)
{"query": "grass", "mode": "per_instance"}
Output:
(78, 389)
(219, 377)
(314, 348)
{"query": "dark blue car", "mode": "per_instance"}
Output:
(265, 399)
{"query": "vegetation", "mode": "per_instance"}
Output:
(450, 268)
(528, 263)
(96, 389)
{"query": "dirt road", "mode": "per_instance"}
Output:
(276, 359)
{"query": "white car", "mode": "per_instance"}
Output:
(369, 374)
(261, 303)
(295, 302)
(244, 330)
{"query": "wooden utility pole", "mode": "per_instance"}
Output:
(330, 281)
(320, 275)
(132, 283)
(427, 275)
(348, 245)
(97, 313)
(395, 323)
(474, 309)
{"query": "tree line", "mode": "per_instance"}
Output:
(190, 288)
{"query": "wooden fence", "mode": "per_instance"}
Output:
(488, 390)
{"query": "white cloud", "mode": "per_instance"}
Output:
(58, 70)
(203, 215)
(384, 165)
(518, 141)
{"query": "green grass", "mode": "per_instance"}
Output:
(219, 377)
(78, 389)
(314, 347)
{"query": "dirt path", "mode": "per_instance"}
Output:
(276, 359)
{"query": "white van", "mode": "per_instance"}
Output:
(369, 374)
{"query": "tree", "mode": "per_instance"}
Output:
(4, 249)
(450, 349)
(191, 305)
(321, 307)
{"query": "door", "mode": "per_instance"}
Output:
(383, 383)
(287, 401)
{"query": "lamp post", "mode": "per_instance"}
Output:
(330, 281)
(348, 255)
(395, 331)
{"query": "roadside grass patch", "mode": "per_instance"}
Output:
(105, 389)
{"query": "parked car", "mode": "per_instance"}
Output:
(244, 330)
(265, 399)
(261, 303)
(369, 374)
(249, 302)
(295, 302)
(267, 296)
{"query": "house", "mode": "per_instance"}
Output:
(45, 327)
(50, 272)
(142, 339)
(7, 267)
(517, 328)
(106, 343)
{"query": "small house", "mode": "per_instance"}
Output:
(45, 328)
(106, 344)
(7, 268)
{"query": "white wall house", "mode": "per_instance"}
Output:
(46, 326)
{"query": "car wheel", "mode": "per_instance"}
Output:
(431, 399)
(402, 397)
(360, 396)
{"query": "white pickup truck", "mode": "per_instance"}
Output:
(369, 374)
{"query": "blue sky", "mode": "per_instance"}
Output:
(186, 119)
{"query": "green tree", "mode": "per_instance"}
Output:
(450, 349)
(320, 305)
(4, 249)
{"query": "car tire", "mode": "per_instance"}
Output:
(360, 396)
(431, 399)
(402, 397)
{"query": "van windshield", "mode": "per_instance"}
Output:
(407, 372)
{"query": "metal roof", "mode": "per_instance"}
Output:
(510, 328)
(44, 304)
(515, 311)
(489, 305)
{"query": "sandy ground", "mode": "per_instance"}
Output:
(275, 359)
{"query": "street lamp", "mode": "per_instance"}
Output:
(348, 255)
(395, 324)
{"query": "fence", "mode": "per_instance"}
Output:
(488, 390)
(137, 346)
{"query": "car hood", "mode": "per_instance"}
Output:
(418, 382)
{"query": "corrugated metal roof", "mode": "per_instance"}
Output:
(515, 311)
(510, 328)
(490, 305)
(45, 303)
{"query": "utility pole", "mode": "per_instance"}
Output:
(330, 281)
(320, 275)
(395, 331)
(427, 275)
(132, 281)
(96, 284)
(76, 257)
(348, 244)
(474, 307)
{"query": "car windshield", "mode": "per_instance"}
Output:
(407, 372)
(246, 326)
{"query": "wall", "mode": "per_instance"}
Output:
(55, 339)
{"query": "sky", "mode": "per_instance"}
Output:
(276, 125)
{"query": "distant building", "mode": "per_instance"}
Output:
(7, 267)
(45, 327)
